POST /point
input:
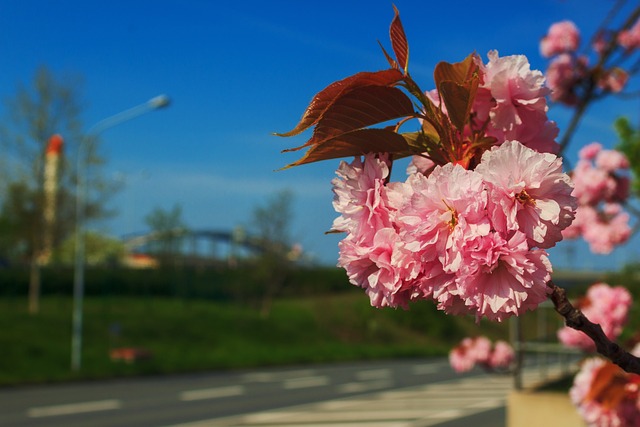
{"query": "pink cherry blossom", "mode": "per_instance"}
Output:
(605, 395)
(591, 184)
(630, 39)
(600, 184)
(420, 164)
(564, 74)
(607, 230)
(445, 208)
(384, 268)
(460, 358)
(469, 352)
(513, 99)
(585, 214)
(439, 212)
(562, 37)
(359, 195)
(480, 351)
(613, 80)
(373, 254)
(499, 278)
(605, 305)
(602, 229)
(611, 160)
(528, 192)
(502, 356)
(590, 151)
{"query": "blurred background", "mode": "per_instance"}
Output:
(153, 122)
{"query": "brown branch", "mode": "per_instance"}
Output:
(575, 319)
(590, 84)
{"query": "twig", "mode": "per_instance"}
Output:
(575, 319)
(590, 87)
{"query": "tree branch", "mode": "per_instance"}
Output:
(578, 321)
(590, 83)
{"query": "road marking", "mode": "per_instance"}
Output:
(358, 387)
(305, 382)
(493, 403)
(451, 413)
(212, 393)
(73, 408)
(427, 369)
(374, 374)
(426, 405)
(265, 377)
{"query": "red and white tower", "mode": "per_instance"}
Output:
(51, 184)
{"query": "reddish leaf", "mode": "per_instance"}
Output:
(456, 97)
(458, 72)
(399, 42)
(356, 143)
(457, 84)
(608, 386)
(362, 107)
(326, 97)
(390, 60)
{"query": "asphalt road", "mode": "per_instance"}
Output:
(207, 397)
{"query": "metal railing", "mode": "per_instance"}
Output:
(535, 342)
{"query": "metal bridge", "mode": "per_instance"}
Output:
(236, 239)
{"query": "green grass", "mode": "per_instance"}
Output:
(191, 335)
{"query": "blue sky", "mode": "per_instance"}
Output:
(237, 72)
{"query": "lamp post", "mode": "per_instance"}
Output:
(155, 103)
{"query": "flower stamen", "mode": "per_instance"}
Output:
(525, 199)
(454, 215)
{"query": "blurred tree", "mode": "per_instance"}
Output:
(45, 107)
(168, 229)
(99, 249)
(630, 145)
(271, 225)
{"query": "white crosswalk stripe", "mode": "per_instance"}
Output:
(422, 406)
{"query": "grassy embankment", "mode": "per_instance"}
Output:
(210, 320)
(194, 334)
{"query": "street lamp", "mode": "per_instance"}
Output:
(155, 103)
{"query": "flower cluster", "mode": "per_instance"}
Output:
(605, 395)
(480, 351)
(511, 104)
(601, 186)
(569, 74)
(472, 238)
(603, 304)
